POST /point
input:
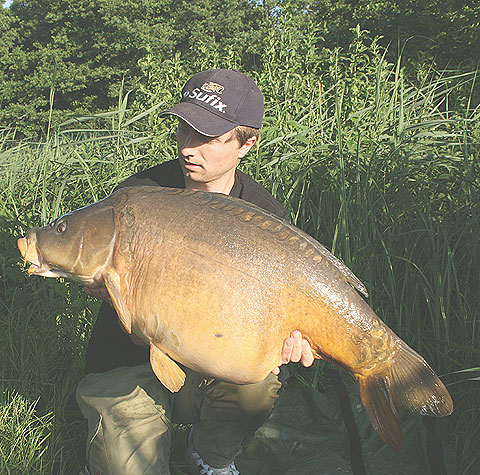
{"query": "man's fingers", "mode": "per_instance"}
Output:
(287, 350)
(296, 349)
(307, 355)
(297, 346)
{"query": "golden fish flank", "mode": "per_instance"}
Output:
(220, 289)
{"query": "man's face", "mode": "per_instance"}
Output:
(207, 159)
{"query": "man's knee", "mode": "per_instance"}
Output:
(248, 400)
(128, 414)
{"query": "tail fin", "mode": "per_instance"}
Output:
(409, 382)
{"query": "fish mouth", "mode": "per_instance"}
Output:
(28, 250)
(39, 269)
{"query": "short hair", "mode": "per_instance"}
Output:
(242, 133)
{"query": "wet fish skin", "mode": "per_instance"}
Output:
(217, 284)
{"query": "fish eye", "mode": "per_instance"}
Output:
(61, 227)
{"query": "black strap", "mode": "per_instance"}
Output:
(356, 456)
(434, 447)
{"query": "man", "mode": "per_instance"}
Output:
(128, 410)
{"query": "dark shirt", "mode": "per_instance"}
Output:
(110, 347)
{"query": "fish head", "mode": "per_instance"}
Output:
(79, 245)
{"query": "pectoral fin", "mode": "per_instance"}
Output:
(166, 370)
(112, 282)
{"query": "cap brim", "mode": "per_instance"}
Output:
(203, 121)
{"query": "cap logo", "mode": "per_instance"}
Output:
(212, 100)
(213, 87)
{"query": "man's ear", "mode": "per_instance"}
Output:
(244, 149)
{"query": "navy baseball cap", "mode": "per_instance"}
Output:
(217, 100)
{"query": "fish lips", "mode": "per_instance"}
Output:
(29, 251)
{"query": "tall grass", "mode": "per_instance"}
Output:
(382, 171)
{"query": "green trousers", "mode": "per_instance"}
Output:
(129, 416)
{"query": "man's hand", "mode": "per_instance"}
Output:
(99, 292)
(295, 349)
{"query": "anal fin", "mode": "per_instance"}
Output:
(380, 409)
(166, 370)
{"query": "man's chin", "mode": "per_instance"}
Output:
(195, 176)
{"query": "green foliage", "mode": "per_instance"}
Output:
(44, 330)
(75, 55)
(80, 50)
(23, 435)
(445, 32)
(62, 58)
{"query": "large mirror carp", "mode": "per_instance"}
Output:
(217, 284)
